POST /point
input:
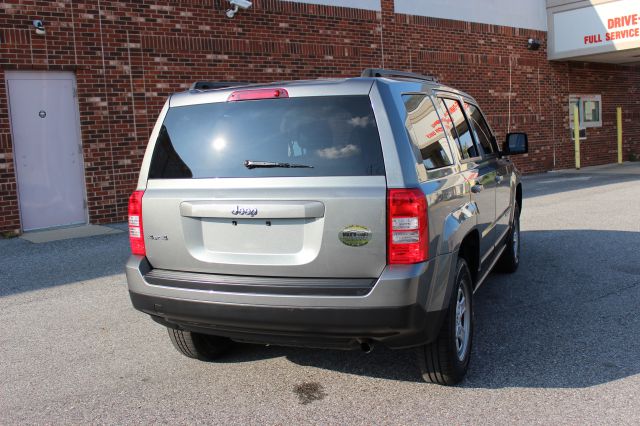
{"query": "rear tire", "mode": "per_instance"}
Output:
(510, 259)
(446, 360)
(199, 346)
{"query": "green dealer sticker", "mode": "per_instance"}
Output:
(355, 235)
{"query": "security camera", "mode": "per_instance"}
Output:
(238, 4)
(39, 26)
(533, 44)
(242, 4)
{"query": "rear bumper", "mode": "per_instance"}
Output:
(314, 327)
(403, 309)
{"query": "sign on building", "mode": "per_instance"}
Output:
(594, 29)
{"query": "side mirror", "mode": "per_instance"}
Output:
(516, 143)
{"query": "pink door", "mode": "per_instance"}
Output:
(47, 148)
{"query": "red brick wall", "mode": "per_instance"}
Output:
(128, 56)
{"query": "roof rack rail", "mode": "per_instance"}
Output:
(381, 72)
(212, 85)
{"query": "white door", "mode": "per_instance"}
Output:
(47, 149)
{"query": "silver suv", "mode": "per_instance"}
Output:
(329, 213)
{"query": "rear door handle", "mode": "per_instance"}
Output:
(477, 188)
(247, 209)
(499, 178)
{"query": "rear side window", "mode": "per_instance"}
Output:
(426, 132)
(480, 128)
(461, 131)
(331, 136)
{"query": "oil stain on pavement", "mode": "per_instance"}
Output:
(309, 391)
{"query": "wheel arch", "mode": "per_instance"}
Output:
(469, 250)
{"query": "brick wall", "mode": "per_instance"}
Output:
(129, 55)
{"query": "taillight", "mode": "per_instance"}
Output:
(407, 227)
(136, 236)
(255, 94)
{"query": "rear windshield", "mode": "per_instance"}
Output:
(322, 136)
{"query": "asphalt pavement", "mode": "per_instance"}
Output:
(556, 342)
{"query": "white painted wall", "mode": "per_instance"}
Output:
(512, 13)
(357, 4)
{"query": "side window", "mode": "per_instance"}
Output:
(447, 125)
(462, 132)
(426, 132)
(480, 128)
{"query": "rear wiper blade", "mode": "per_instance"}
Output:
(249, 164)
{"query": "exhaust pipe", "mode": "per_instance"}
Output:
(366, 347)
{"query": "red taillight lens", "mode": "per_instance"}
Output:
(255, 94)
(407, 226)
(136, 236)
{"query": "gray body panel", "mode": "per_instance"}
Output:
(303, 246)
(189, 226)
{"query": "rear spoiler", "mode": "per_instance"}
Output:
(202, 86)
(380, 72)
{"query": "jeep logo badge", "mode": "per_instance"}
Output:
(355, 235)
(240, 211)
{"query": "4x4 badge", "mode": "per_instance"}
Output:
(355, 235)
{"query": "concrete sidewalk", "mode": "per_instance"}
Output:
(48, 235)
(626, 168)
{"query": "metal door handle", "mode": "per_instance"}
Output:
(499, 178)
(247, 209)
(477, 188)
